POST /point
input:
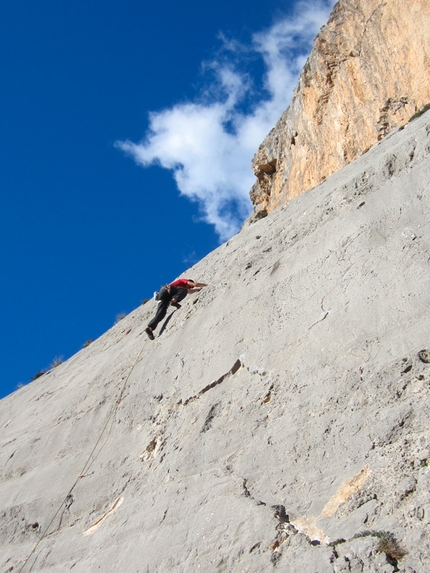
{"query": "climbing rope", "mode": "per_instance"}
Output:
(90, 460)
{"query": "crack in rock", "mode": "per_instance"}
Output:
(236, 366)
(152, 449)
(97, 524)
(247, 493)
(209, 418)
(326, 313)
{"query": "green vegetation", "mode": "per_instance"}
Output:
(261, 214)
(38, 374)
(419, 113)
(388, 544)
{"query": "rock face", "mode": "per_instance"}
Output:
(368, 73)
(279, 421)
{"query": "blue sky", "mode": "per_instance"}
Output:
(128, 129)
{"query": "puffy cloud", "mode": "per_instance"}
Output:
(208, 144)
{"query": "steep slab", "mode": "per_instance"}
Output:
(280, 420)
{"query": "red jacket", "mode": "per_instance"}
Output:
(182, 283)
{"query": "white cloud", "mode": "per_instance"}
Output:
(208, 144)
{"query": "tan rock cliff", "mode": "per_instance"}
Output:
(368, 73)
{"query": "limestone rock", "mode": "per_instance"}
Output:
(368, 73)
(279, 420)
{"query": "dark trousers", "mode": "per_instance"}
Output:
(165, 296)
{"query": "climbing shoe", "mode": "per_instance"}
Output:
(149, 333)
(176, 304)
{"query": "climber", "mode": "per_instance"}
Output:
(171, 294)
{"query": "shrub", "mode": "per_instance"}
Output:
(57, 361)
(419, 113)
(389, 545)
(120, 316)
(261, 214)
(38, 374)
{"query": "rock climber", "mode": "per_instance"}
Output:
(171, 294)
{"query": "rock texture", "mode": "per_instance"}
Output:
(368, 73)
(279, 421)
